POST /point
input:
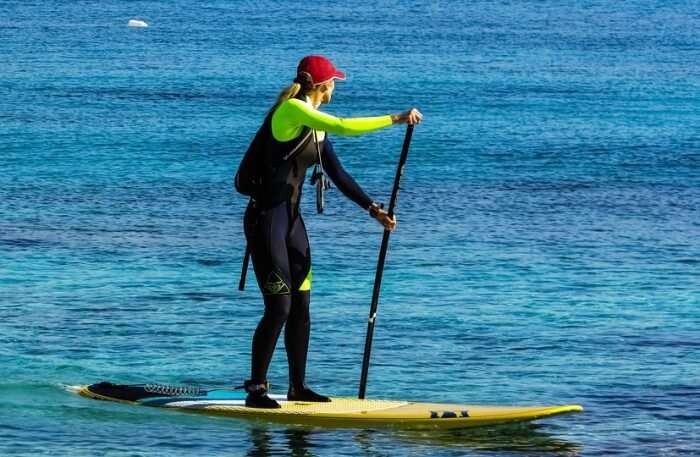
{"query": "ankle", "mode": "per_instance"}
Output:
(256, 387)
(257, 395)
(298, 387)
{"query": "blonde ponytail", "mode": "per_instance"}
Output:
(302, 83)
(290, 91)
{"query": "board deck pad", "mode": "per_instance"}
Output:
(339, 412)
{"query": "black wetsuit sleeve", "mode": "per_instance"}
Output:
(341, 178)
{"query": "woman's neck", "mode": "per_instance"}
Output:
(315, 99)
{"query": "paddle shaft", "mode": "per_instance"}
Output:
(380, 264)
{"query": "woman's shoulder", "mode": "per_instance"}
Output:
(288, 118)
(286, 108)
(292, 111)
(294, 104)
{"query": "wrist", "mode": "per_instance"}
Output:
(373, 209)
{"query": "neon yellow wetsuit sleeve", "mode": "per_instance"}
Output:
(292, 115)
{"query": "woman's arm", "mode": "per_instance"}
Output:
(292, 115)
(350, 188)
(341, 178)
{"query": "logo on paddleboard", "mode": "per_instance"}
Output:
(448, 414)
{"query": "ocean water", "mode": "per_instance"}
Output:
(547, 249)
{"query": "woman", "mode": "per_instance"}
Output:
(295, 139)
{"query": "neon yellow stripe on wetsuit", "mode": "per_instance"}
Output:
(292, 115)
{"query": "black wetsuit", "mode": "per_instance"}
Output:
(280, 251)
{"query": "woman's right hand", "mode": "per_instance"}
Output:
(412, 116)
(382, 217)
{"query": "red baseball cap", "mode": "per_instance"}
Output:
(320, 69)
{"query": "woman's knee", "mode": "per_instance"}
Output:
(277, 308)
(300, 306)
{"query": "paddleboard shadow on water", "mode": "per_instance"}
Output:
(527, 439)
(523, 437)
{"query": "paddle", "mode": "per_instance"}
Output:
(380, 264)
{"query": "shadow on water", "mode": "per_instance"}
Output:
(525, 439)
(265, 442)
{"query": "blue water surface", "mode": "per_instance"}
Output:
(547, 249)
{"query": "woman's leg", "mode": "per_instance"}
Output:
(266, 334)
(296, 333)
(266, 232)
(296, 338)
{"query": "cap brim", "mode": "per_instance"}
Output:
(337, 74)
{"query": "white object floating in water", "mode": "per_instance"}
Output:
(137, 23)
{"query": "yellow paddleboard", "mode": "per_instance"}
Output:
(340, 412)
